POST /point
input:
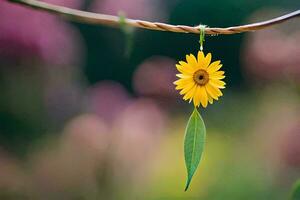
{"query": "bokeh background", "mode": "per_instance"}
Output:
(90, 112)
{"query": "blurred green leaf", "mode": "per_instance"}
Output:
(296, 191)
(193, 144)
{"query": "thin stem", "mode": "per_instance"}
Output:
(110, 20)
(202, 36)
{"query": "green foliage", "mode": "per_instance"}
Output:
(296, 191)
(193, 144)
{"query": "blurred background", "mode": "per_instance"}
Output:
(90, 112)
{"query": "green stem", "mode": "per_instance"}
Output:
(202, 36)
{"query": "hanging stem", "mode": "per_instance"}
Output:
(202, 36)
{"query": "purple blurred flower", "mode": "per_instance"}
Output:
(63, 97)
(30, 35)
(108, 99)
(140, 9)
(273, 54)
(155, 76)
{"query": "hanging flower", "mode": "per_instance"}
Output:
(200, 79)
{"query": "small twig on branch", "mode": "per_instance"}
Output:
(109, 20)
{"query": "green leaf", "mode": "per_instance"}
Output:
(296, 191)
(193, 144)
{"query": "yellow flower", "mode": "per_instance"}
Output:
(200, 79)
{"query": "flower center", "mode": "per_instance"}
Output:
(201, 77)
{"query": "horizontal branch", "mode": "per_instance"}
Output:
(114, 21)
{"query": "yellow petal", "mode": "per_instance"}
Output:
(191, 60)
(212, 91)
(210, 99)
(182, 81)
(179, 87)
(203, 96)
(184, 70)
(201, 60)
(200, 55)
(183, 76)
(182, 86)
(187, 88)
(216, 89)
(184, 64)
(207, 60)
(190, 93)
(217, 83)
(213, 67)
(196, 98)
(217, 75)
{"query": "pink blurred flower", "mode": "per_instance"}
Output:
(290, 147)
(137, 133)
(275, 132)
(108, 99)
(88, 131)
(30, 35)
(140, 9)
(273, 54)
(12, 175)
(155, 77)
(72, 163)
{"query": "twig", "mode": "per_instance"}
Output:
(109, 20)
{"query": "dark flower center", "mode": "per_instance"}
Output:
(201, 77)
